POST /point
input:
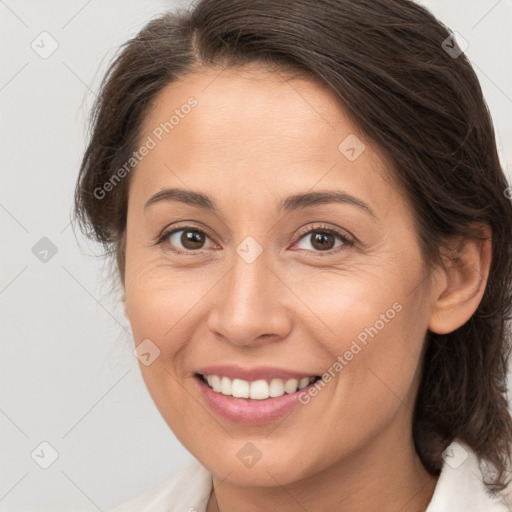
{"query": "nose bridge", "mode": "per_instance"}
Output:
(249, 279)
(247, 305)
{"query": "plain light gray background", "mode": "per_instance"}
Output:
(68, 374)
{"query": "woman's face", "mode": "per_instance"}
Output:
(253, 287)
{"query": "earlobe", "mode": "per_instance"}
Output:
(457, 295)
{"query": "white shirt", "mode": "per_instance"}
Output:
(458, 489)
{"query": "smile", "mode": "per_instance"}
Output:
(256, 390)
(261, 399)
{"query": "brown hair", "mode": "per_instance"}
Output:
(419, 103)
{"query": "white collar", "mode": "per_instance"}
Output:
(460, 485)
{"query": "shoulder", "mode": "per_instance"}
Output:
(187, 490)
(460, 485)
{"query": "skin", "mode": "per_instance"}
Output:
(254, 138)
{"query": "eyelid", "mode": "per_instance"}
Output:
(343, 234)
(167, 232)
(347, 239)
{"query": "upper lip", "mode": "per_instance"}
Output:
(252, 374)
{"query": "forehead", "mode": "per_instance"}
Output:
(250, 126)
(250, 102)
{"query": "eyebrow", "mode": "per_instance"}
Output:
(290, 203)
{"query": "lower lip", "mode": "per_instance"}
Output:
(250, 412)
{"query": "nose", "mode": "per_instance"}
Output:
(250, 305)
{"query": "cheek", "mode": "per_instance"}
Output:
(157, 309)
(166, 306)
(391, 356)
(379, 366)
(379, 326)
(159, 296)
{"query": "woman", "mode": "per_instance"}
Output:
(313, 235)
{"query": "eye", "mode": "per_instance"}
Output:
(184, 239)
(323, 239)
(190, 239)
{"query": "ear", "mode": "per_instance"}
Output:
(460, 288)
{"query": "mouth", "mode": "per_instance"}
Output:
(261, 389)
(253, 402)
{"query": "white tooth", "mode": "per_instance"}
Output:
(225, 384)
(240, 388)
(290, 386)
(259, 390)
(216, 383)
(303, 382)
(276, 388)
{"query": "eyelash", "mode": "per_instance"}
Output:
(346, 242)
